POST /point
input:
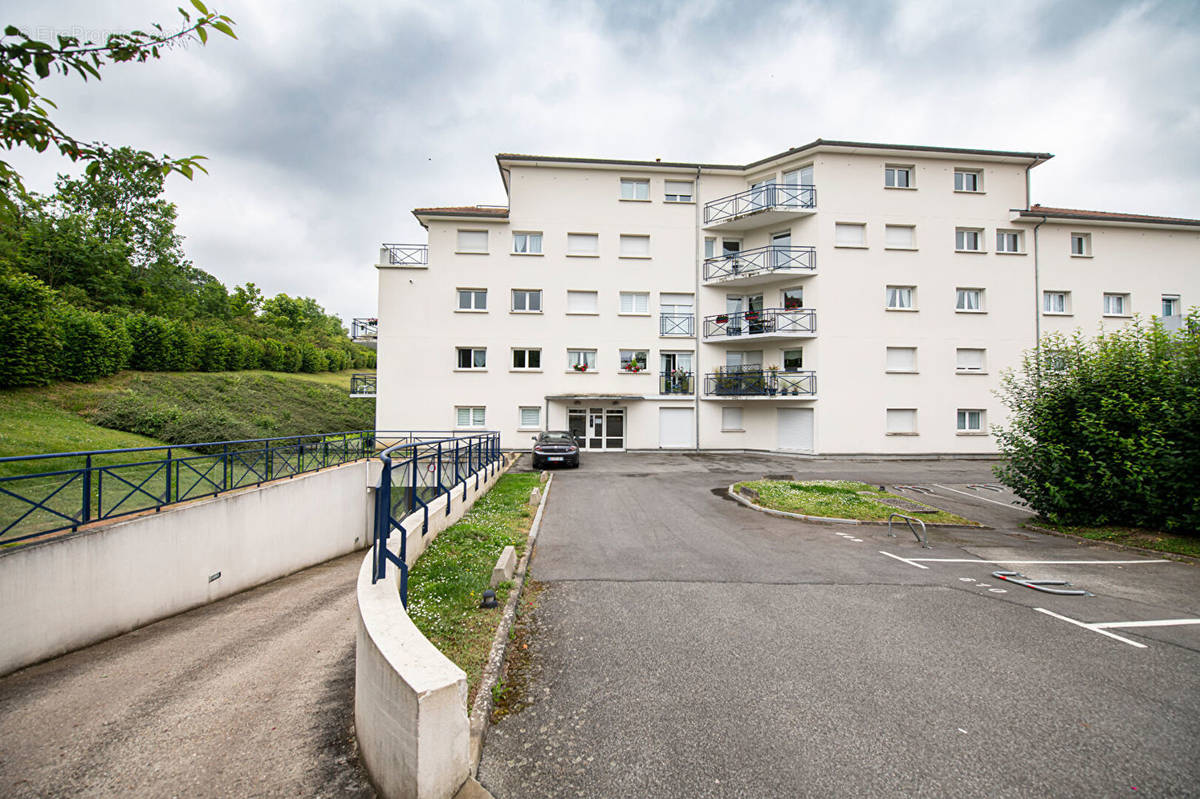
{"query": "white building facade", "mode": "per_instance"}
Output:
(837, 298)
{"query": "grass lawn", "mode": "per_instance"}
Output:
(448, 580)
(1132, 536)
(841, 499)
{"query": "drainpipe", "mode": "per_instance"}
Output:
(697, 385)
(1037, 293)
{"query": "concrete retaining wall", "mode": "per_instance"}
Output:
(79, 589)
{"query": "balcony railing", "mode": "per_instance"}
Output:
(363, 385)
(761, 261)
(774, 321)
(676, 324)
(404, 254)
(760, 198)
(676, 382)
(759, 382)
(364, 328)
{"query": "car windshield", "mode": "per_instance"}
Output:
(556, 437)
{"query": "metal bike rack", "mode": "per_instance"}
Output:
(922, 537)
(1040, 585)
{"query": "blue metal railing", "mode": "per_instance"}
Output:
(759, 382)
(363, 384)
(766, 197)
(416, 473)
(770, 260)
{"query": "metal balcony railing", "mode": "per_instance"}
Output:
(676, 324)
(778, 321)
(363, 385)
(404, 254)
(760, 198)
(761, 261)
(676, 382)
(759, 382)
(364, 327)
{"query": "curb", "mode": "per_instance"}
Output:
(482, 708)
(835, 520)
(1158, 553)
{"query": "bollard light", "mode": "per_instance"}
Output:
(489, 599)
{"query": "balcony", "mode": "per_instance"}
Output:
(760, 265)
(758, 383)
(362, 385)
(769, 323)
(404, 255)
(365, 330)
(759, 206)
(676, 324)
(676, 382)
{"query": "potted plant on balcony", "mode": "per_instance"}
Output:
(580, 367)
(773, 379)
(721, 319)
(792, 303)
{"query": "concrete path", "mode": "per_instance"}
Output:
(249, 696)
(688, 646)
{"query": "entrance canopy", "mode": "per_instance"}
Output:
(594, 397)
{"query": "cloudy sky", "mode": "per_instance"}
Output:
(325, 125)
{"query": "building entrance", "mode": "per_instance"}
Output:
(597, 428)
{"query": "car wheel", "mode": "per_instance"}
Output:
(537, 464)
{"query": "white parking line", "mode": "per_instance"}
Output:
(1094, 628)
(1152, 623)
(1047, 562)
(903, 560)
(985, 499)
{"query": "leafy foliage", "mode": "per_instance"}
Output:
(1107, 430)
(28, 341)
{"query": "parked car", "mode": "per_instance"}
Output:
(555, 447)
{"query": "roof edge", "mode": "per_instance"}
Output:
(1037, 211)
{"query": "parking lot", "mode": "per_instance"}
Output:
(686, 645)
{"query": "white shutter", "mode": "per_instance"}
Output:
(583, 243)
(850, 235)
(680, 303)
(635, 246)
(901, 359)
(731, 418)
(472, 241)
(901, 420)
(531, 417)
(581, 302)
(970, 360)
(681, 189)
(899, 236)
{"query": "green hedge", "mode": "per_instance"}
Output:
(93, 344)
(28, 334)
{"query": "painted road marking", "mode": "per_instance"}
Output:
(1094, 628)
(903, 560)
(985, 499)
(1153, 623)
(1046, 562)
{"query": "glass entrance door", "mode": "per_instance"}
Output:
(597, 428)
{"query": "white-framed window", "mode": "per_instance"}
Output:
(530, 417)
(731, 420)
(968, 180)
(793, 360)
(472, 299)
(634, 360)
(472, 241)
(1081, 244)
(467, 416)
(1056, 302)
(635, 246)
(635, 302)
(900, 237)
(970, 420)
(471, 357)
(1116, 304)
(710, 247)
(527, 243)
(635, 189)
(731, 246)
(1171, 306)
(901, 421)
(583, 302)
(901, 298)
(527, 358)
(902, 359)
(585, 244)
(527, 300)
(968, 239)
(581, 360)
(849, 234)
(969, 360)
(678, 191)
(968, 300)
(792, 298)
(899, 176)
(1010, 241)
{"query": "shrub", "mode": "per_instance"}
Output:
(214, 351)
(28, 336)
(92, 345)
(312, 359)
(273, 355)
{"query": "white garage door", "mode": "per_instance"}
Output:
(796, 429)
(676, 427)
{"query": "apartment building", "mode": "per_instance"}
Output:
(836, 298)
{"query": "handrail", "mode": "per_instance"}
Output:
(761, 198)
(676, 382)
(363, 384)
(364, 327)
(401, 254)
(761, 261)
(922, 537)
(798, 321)
(759, 382)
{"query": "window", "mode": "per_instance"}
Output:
(970, 420)
(1170, 305)
(899, 237)
(583, 244)
(472, 299)
(635, 246)
(1009, 241)
(1056, 302)
(901, 359)
(901, 421)
(901, 298)
(582, 360)
(582, 302)
(898, 177)
(731, 420)
(634, 360)
(531, 417)
(676, 314)
(635, 302)
(968, 239)
(472, 357)
(678, 191)
(968, 300)
(793, 299)
(850, 234)
(527, 243)
(527, 358)
(472, 241)
(468, 417)
(968, 360)
(968, 180)
(635, 189)
(793, 360)
(710, 248)
(731, 246)
(527, 300)
(1081, 244)
(1116, 304)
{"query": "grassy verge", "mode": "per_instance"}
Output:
(1131, 536)
(448, 580)
(842, 499)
